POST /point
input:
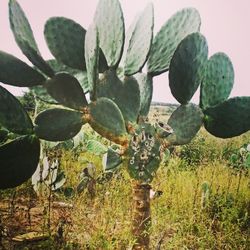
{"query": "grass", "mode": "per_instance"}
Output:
(181, 217)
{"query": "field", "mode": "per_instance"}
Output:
(200, 203)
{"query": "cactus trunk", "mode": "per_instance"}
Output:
(141, 215)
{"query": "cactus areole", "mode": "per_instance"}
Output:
(107, 63)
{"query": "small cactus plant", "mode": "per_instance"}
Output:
(107, 63)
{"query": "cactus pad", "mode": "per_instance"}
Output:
(80, 75)
(24, 37)
(111, 160)
(41, 93)
(66, 90)
(185, 121)
(186, 67)
(163, 130)
(129, 33)
(92, 58)
(3, 135)
(82, 78)
(181, 24)
(144, 153)
(229, 118)
(145, 83)
(17, 73)
(58, 124)
(18, 161)
(110, 25)
(65, 39)
(96, 147)
(106, 118)
(12, 115)
(218, 80)
(140, 42)
(125, 94)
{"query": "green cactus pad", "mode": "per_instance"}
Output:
(92, 58)
(83, 80)
(18, 161)
(111, 160)
(106, 118)
(58, 124)
(80, 75)
(129, 33)
(12, 115)
(140, 42)
(17, 73)
(145, 82)
(41, 93)
(228, 119)
(3, 135)
(163, 130)
(110, 25)
(24, 37)
(103, 65)
(58, 66)
(125, 94)
(66, 90)
(218, 80)
(96, 147)
(128, 99)
(144, 153)
(65, 39)
(185, 121)
(181, 24)
(186, 67)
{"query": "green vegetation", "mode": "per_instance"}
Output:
(182, 217)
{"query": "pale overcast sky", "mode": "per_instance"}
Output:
(225, 24)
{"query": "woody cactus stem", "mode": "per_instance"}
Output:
(141, 218)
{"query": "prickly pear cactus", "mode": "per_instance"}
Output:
(120, 93)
